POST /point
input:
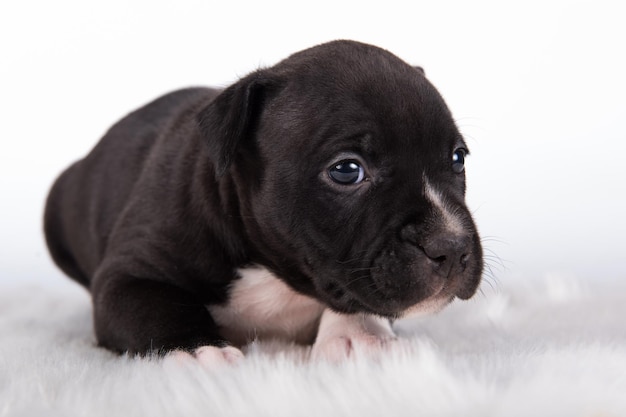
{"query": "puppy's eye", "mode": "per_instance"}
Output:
(347, 172)
(458, 160)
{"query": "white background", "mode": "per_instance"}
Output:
(538, 88)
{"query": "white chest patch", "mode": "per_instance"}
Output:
(262, 306)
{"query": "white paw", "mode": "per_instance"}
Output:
(344, 336)
(208, 356)
(340, 348)
(211, 356)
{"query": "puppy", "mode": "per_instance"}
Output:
(312, 201)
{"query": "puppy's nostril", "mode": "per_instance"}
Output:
(446, 253)
(433, 255)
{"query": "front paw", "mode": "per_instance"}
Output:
(340, 348)
(344, 336)
(208, 356)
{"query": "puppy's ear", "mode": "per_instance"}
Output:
(228, 122)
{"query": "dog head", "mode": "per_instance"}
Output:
(349, 173)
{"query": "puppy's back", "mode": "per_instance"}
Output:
(87, 198)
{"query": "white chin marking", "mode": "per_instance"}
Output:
(429, 306)
(450, 220)
(261, 306)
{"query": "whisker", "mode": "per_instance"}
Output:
(493, 239)
(356, 279)
(361, 269)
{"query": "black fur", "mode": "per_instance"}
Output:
(182, 192)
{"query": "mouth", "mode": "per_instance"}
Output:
(427, 307)
(397, 277)
(402, 283)
(368, 297)
(348, 302)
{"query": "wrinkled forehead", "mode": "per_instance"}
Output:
(409, 110)
(382, 111)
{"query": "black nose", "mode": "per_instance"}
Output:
(448, 254)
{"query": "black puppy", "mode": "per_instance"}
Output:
(312, 201)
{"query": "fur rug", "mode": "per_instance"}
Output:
(553, 347)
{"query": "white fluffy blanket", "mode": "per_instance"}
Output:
(553, 347)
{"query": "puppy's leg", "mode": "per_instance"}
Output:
(140, 316)
(340, 335)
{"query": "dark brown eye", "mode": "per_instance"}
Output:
(458, 160)
(347, 172)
